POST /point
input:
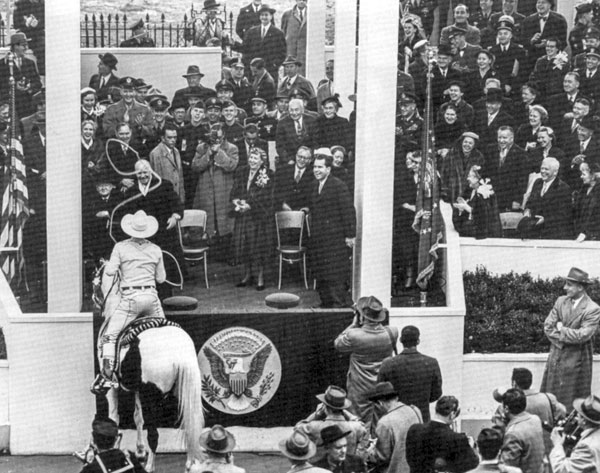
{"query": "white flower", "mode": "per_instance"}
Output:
(485, 189)
(263, 179)
(560, 60)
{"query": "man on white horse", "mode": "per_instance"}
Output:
(140, 266)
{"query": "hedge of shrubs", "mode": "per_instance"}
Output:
(506, 313)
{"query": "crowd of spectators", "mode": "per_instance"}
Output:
(515, 120)
(249, 146)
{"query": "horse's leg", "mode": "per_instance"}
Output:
(149, 402)
(112, 396)
(142, 453)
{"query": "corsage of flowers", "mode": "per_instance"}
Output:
(262, 179)
(485, 189)
(560, 60)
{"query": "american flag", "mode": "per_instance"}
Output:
(428, 222)
(15, 211)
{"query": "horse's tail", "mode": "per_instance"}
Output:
(189, 393)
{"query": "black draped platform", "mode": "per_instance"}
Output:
(309, 363)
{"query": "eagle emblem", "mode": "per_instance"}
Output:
(243, 369)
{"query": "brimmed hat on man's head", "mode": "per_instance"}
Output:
(224, 84)
(457, 31)
(383, 390)
(266, 8)
(592, 32)
(579, 276)
(505, 22)
(593, 52)
(139, 225)
(137, 25)
(292, 60)
(237, 62)
(210, 4)
(445, 50)
(296, 92)
(218, 440)
(589, 408)
(407, 97)
(583, 8)
(108, 60)
(159, 104)
(193, 70)
(493, 95)
(213, 102)
(127, 83)
(18, 38)
(371, 308)
(298, 446)
(589, 122)
(335, 397)
(332, 433)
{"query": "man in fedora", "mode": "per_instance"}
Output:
(293, 25)
(416, 377)
(337, 459)
(25, 73)
(105, 79)
(298, 448)
(333, 409)
(211, 29)
(390, 450)
(103, 454)
(218, 444)
(586, 454)
(570, 327)
(140, 266)
(139, 37)
(193, 77)
(293, 80)
(368, 342)
(265, 41)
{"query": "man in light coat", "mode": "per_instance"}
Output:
(390, 450)
(293, 25)
(570, 327)
(369, 343)
(586, 453)
(165, 160)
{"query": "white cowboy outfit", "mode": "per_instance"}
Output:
(140, 265)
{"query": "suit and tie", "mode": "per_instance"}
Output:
(507, 174)
(247, 18)
(271, 47)
(507, 56)
(553, 202)
(555, 25)
(293, 190)
(488, 130)
(166, 163)
(26, 75)
(590, 83)
(102, 85)
(291, 135)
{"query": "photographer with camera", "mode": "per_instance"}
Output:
(103, 453)
(586, 453)
(369, 342)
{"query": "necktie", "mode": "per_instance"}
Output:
(301, 15)
(502, 156)
(298, 127)
(297, 176)
(126, 116)
(124, 149)
(544, 189)
(101, 82)
(264, 32)
(582, 147)
(490, 119)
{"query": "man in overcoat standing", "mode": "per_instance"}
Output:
(570, 327)
(333, 232)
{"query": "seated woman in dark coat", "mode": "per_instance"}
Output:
(529, 96)
(332, 129)
(526, 136)
(92, 150)
(587, 203)
(477, 215)
(252, 197)
(476, 79)
(455, 166)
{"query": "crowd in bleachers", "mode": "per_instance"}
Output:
(515, 113)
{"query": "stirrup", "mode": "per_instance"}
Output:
(102, 385)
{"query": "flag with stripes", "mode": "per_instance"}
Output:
(15, 211)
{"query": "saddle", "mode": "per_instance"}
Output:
(133, 330)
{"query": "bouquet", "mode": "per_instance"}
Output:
(262, 179)
(560, 60)
(485, 189)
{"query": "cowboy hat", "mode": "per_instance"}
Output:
(218, 440)
(139, 225)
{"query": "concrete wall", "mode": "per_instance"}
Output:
(544, 258)
(162, 70)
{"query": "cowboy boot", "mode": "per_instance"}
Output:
(105, 379)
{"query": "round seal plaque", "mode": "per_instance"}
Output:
(241, 370)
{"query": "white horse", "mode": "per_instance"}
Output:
(161, 360)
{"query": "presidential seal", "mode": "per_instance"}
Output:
(241, 370)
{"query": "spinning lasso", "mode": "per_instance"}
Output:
(135, 197)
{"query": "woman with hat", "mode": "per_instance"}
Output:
(140, 266)
(570, 327)
(585, 456)
(218, 444)
(332, 129)
(586, 207)
(456, 164)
